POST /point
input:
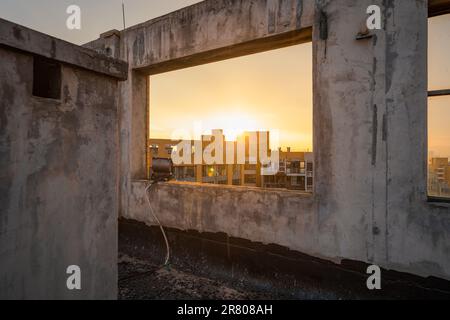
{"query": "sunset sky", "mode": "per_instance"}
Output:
(271, 90)
(267, 91)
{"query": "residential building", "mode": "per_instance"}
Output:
(439, 177)
(295, 169)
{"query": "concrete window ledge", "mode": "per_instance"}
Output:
(444, 203)
(233, 188)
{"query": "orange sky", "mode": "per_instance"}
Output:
(266, 91)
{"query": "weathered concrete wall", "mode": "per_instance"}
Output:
(370, 141)
(22, 38)
(199, 33)
(58, 182)
(370, 132)
(282, 217)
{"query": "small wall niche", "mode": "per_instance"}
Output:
(46, 78)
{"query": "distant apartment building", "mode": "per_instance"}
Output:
(295, 170)
(295, 173)
(439, 177)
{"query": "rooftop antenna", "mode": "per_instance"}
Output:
(123, 15)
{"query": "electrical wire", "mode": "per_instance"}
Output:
(166, 262)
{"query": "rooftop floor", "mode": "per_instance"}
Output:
(146, 280)
(215, 267)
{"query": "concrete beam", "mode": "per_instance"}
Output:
(438, 93)
(234, 51)
(438, 7)
(26, 40)
(215, 30)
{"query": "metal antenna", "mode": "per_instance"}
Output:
(123, 14)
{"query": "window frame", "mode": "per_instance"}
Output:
(436, 93)
(247, 179)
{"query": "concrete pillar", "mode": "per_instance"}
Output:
(369, 125)
(133, 127)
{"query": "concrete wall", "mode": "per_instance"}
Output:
(58, 175)
(370, 131)
(199, 33)
(280, 217)
(370, 141)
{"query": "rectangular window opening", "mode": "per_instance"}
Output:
(439, 108)
(244, 98)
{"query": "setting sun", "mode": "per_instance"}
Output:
(270, 91)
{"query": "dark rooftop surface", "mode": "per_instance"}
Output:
(146, 280)
(214, 267)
